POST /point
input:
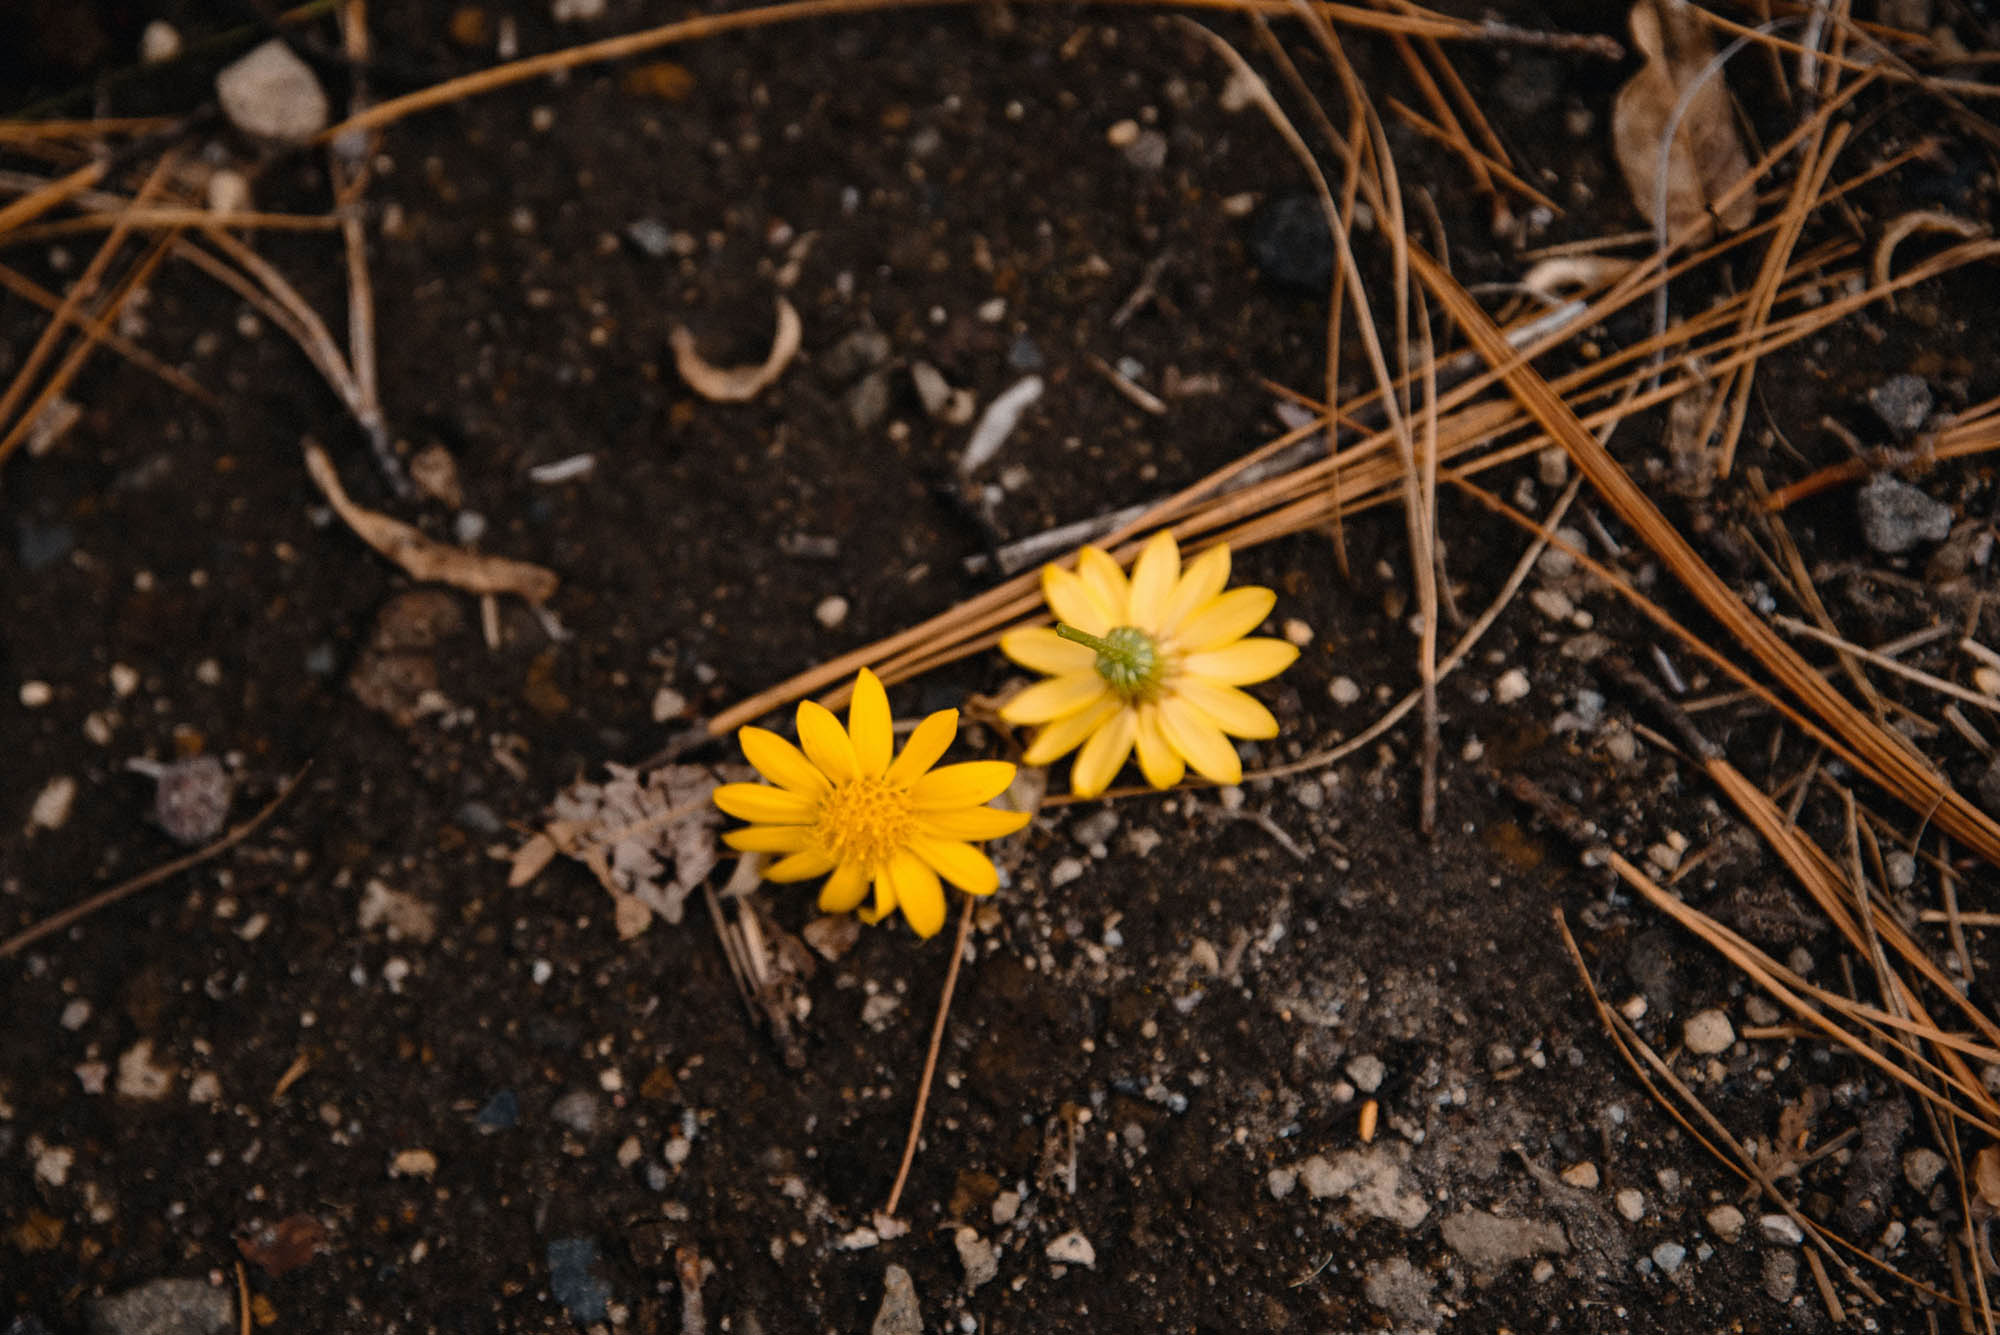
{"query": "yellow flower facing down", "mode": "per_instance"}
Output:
(1152, 663)
(842, 808)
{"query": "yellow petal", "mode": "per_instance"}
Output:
(1062, 736)
(1201, 579)
(1104, 754)
(781, 762)
(1199, 742)
(765, 805)
(1159, 762)
(1040, 648)
(931, 739)
(869, 725)
(1072, 601)
(960, 863)
(769, 838)
(885, 899)
(1228, 708)
(1226, 617)
(1154, 576)
(1103, 577)
(1241, 663)
(844, 889)
(826, 741)
(1054, 697)
(917, 892)
(971, 823)
(972, 784)
(801, 866)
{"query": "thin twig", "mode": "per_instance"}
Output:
(56, 922)
(931, 1057)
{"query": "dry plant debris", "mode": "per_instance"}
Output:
(423, 557)
(738, 384)
(1679, 92)
(650, 838)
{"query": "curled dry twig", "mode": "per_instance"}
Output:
(738, 384)
(426, 558)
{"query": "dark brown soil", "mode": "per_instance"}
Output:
(1187, 1007)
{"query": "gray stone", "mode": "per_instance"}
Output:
(1488, 1243)
(576, 1110)
(165, 1307)
(862, 350)
(1922, 1167)
(1403, 1292)
(899, 1313)
(1903, 402)
(1668, 1257)
(868, 401)
(272, 94)
(1781, 1276)
(653, 237)
(1896, 516)
(980, 1258)
(573, 1281)
(1366, 1072)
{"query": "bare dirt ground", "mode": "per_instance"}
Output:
(499, 1115)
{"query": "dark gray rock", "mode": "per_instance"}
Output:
(573, 1279)
(1896, 516)
(1291, 243)
(165, 1307)
(1903, 402)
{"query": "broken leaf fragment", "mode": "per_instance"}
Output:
(1707, 156)
(737, 384)
(425, 558)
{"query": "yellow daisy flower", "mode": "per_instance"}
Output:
(842, 806)
(1151, 663)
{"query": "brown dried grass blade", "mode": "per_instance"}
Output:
(1914, 783)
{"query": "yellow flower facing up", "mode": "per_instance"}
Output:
(1151, 663)
(844, 809)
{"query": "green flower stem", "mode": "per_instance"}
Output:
(1127, 658)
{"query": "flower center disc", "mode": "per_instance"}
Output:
(864, 821)
(1129, 662)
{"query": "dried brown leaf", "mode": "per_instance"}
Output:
(529, 860)
(738, 384)
(1986, 1174)
(1707, 155)
(425, 558)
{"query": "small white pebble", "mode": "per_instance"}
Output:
(76, 1015)
(1726, 1222)
(1122, 134)
(1298, 632)
(53, 804)
(831, 611)
(1065, 871)
(159, 43)
(668, 703)
(1343, 690)
(1780, 1228)
(35, 694)
(1708, 1032)
(1633, 1008)
(1512, 686)
(1631, 1203)
(1987, 679)
(124, 680)
(1072, 1248)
